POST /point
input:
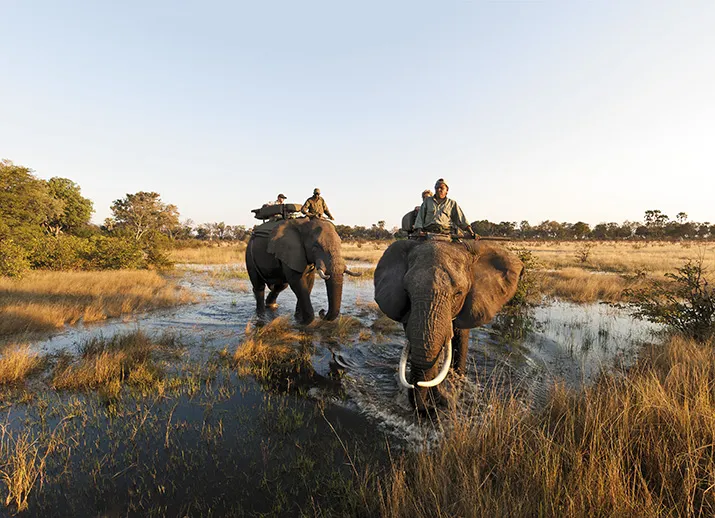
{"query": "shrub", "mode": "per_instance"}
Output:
(685, 305)
(60, 253)
(13, 259)
(114, 253)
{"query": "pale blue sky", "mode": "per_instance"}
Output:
(593, 111)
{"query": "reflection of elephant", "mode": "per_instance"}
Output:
(440, 290)
(289, 256)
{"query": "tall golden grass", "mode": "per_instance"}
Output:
(652, 257)
(223, 254)
(107, 363)
(640, 444)
(578, 285)
(273, 353)
(48, 300)
(17, 362)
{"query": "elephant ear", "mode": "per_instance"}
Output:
(390, 293)
(286, 244)
(495, 275)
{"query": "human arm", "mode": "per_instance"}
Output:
(306, 207)
(420, 219)
(326, 210)
(460, 220)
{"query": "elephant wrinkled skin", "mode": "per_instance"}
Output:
(440, 290)
(295, 250)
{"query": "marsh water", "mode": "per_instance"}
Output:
(554, 342)
(224, 444)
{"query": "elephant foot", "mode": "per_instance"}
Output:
(426, 399)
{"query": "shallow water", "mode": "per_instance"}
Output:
(558, 341)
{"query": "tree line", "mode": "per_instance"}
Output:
(46, 224)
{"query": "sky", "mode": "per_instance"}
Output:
(567, 111)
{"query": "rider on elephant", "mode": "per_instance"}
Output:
(438, 213)
(315, 206)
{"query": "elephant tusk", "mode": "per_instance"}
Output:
(426, 384)
(352, 274)
(403, 367)
(322, 274)
(443, 373)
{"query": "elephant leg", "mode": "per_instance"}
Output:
(259, 288)
(460, 344)
(422, 398)
(302, 286)
(273, 295)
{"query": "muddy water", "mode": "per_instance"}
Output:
(557, 341)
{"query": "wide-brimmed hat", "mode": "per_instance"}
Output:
(441, 181)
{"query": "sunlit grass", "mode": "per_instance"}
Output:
(130, 358)
(273, 352)
(225, 253)
(633, 445)
(369, 251)
(578, 285)
(652, 257)
(17, 362)
(44, 301)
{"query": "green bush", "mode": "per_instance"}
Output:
(60, 253)
(13, 259)
(114, 253)
(156, 251)
(685, 305)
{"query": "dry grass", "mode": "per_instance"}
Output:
(23, 457)
(17, 362)
(44, 301)
(107, 363)
(580, 285)
(272, 352)
(653, 257)
(369, 252)
(225, 253)
(642, 444)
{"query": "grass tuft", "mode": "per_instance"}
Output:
(18, 362)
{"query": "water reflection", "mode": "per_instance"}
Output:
(525, 352)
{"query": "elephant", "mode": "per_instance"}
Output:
(439, 290)
(289, 256)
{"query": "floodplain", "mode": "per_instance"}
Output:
(205, 409)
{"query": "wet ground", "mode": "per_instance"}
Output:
(213, 443)
(556, 341)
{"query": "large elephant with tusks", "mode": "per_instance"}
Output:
(290, 255)
(439, 290)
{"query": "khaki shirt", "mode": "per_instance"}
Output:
(442, 213)
(316, 206)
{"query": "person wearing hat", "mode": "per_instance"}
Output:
(438, 213)
(315, 206)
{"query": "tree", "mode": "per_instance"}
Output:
(25, 204)
(143, 214)
(76, 210)
(580, 230)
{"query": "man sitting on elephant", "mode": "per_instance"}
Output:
(315, 206)
(438, 213)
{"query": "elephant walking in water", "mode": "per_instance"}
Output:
(289, 256)
(439, 290)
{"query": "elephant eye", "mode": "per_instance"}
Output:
(458, 294)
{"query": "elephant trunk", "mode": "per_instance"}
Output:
(429, 331)
(334, 288)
